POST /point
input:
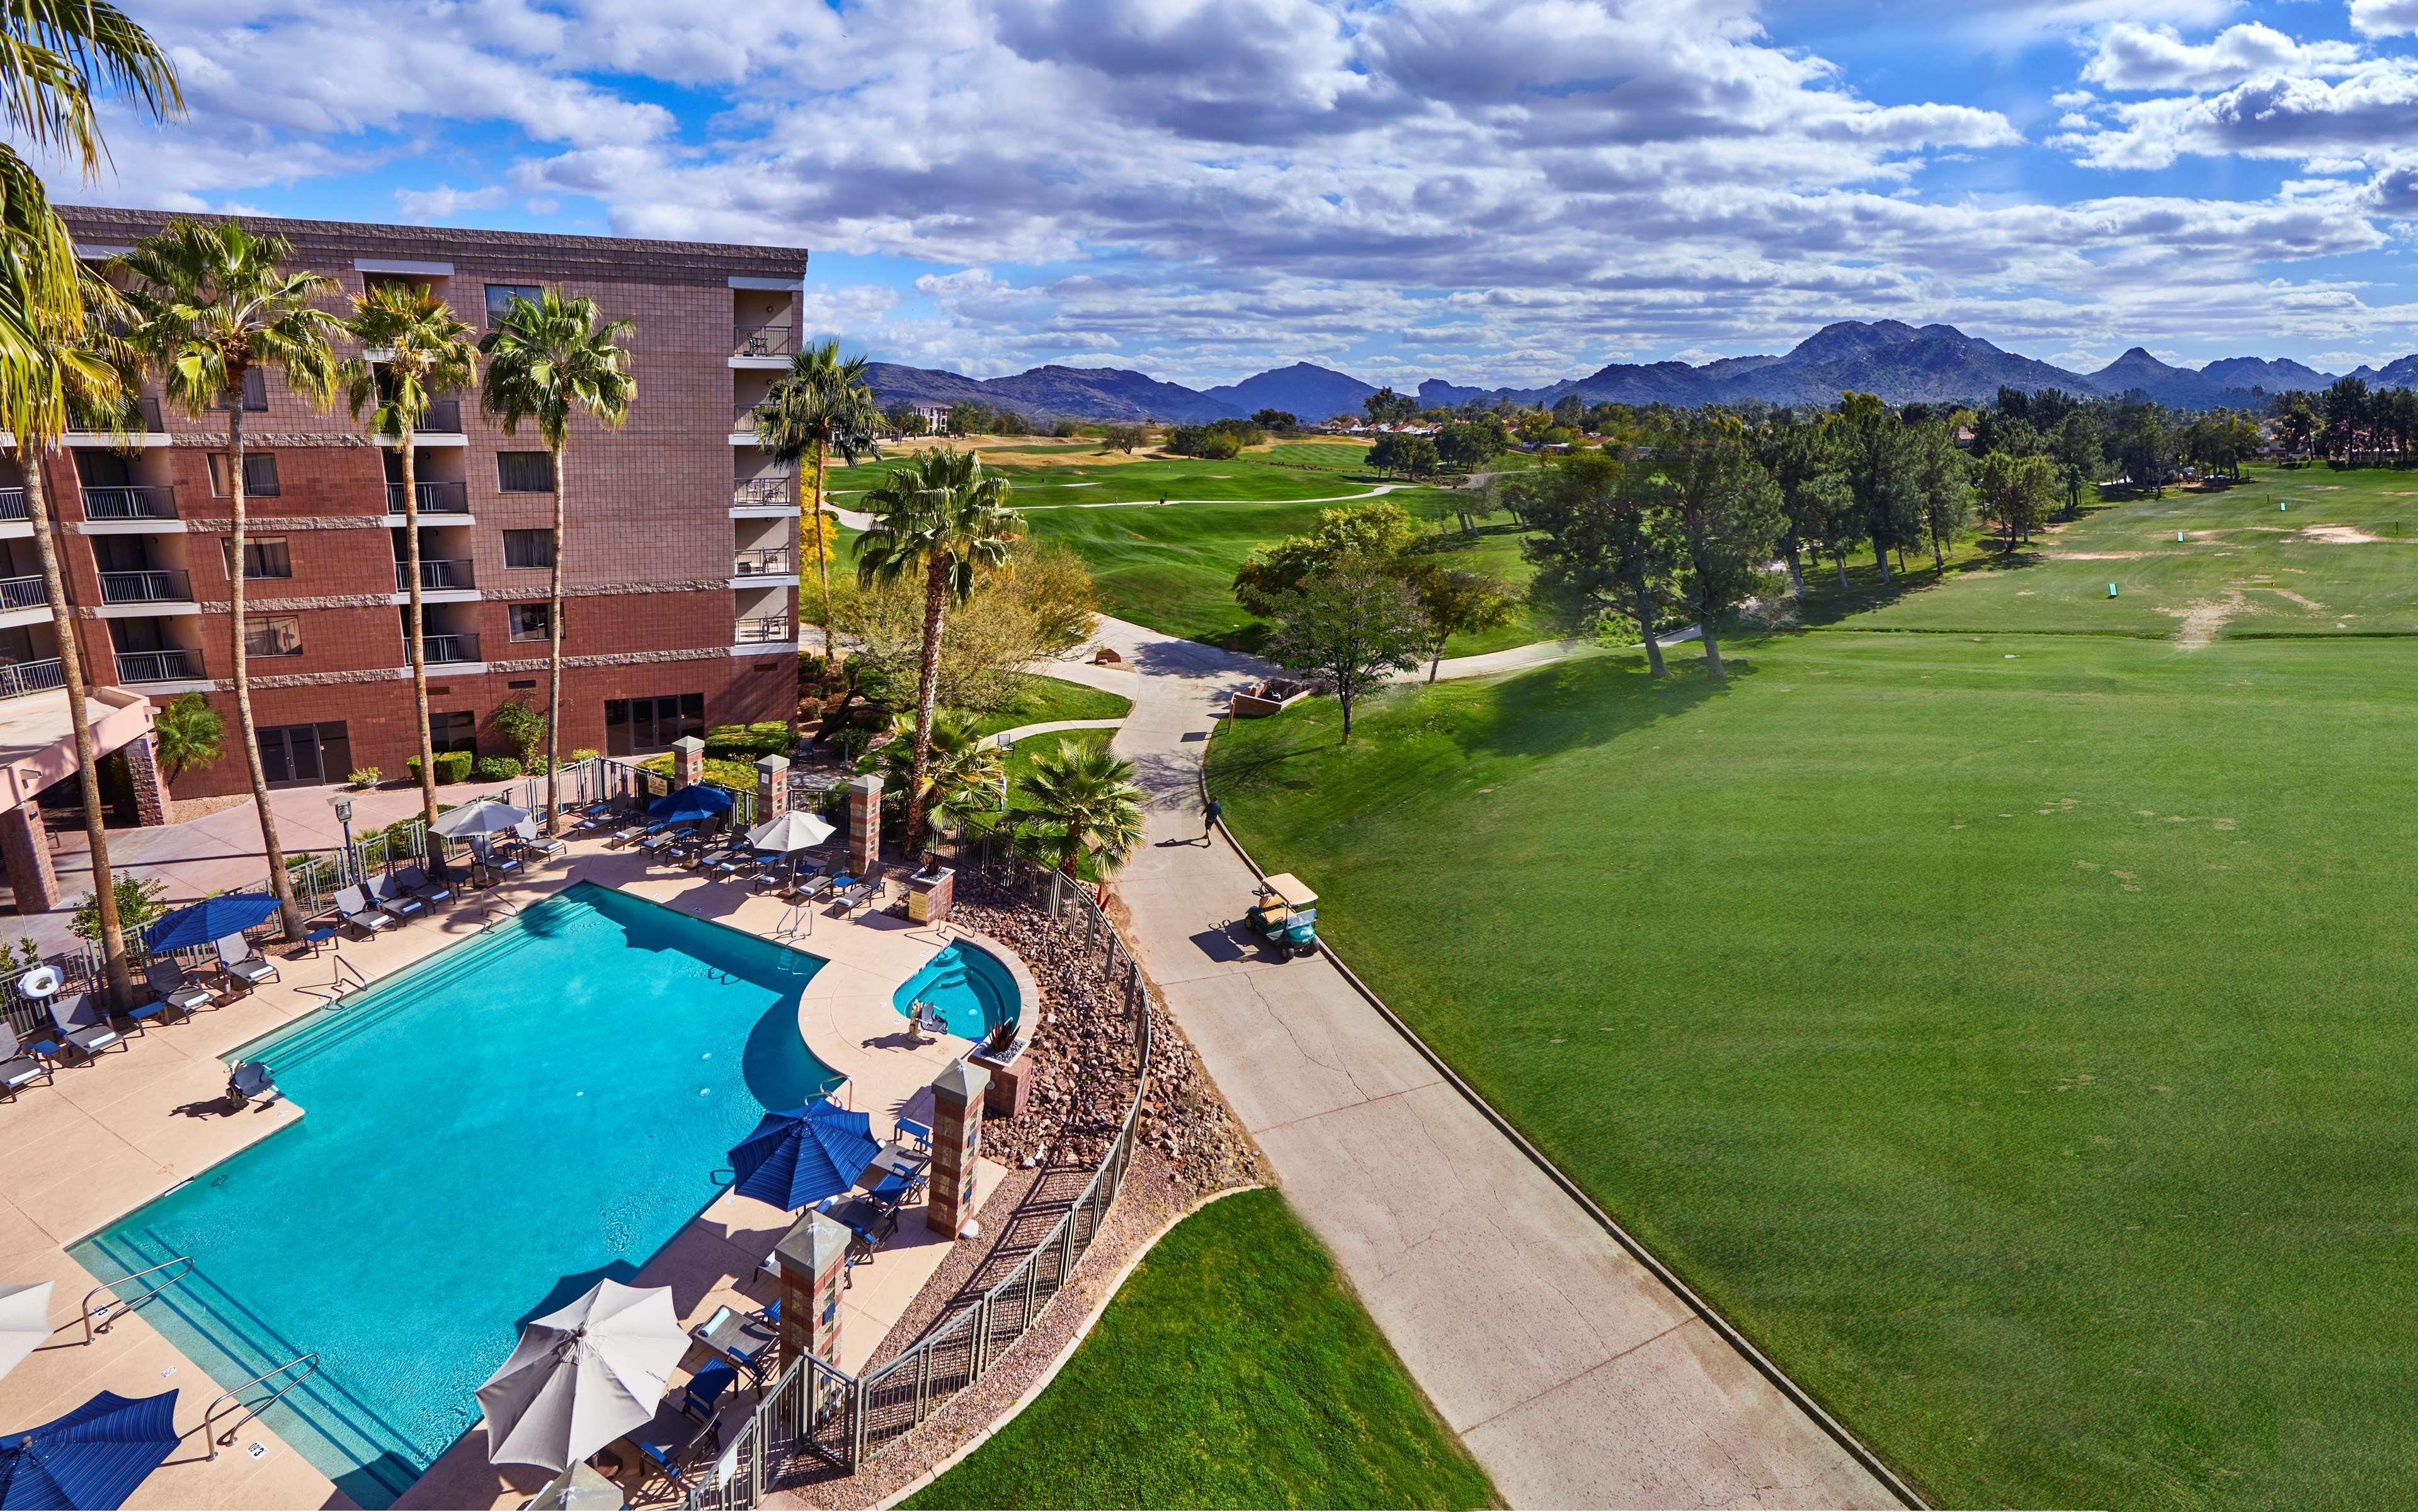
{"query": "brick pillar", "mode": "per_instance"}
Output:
(688, 761)
(957, 1140)
(813, 1260)
(863, 825)
(150, 786)
(772, 787)
(26, 848)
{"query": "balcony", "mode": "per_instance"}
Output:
(744, 418)
(21, 593)
(176, 665)
(444, 417)
(765, 493)
(17, 678)
(12, 505)
(155, 586)
(435, 573)
(435, 498)
(144, 417)
(439, 650)
(766, 629)
(141, 501)
(764, 341)
(756, 561)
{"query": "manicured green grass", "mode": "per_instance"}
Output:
(2013, 1033)
(1058, 480)
(1232, 1369)
(1046, 700)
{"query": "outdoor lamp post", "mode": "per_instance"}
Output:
(343, 805)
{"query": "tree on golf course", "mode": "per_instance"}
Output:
(1456, 602)
(1350, 627)
(1942, 483)
(1802, 457)
(1724, 516)
(2076, 450)
(1877, 451)
(1598, 545)
(1370, 532)
(2014, 493)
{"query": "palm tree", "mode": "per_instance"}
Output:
(821, 404)
(941, 514)
(962, 774)
(211, 305)
(1086, 805)
(412, 350)
(549, 358)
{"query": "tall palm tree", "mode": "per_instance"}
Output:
(945, 516)
(822, 404)
(211, 303)
(961, 775)
(412, 350)
(1086, 803)
(549, 358)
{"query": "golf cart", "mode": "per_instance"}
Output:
(1286, 916)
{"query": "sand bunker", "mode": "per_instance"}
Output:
(2337, 535)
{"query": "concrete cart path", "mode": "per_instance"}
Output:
(1574, 1375)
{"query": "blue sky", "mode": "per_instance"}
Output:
(1487, 190)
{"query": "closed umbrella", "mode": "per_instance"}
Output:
(92, 1458)
(796, 1159)
(25, 1321)
(697, 800)
(208, 920)
(484, 815)
(796, 829)
(583, 1377)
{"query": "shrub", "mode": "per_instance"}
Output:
(495, 768)
(364, 776)
(451, 766)
(138, 904)
(522, 728)
(747, 742)
(586, 753)
(188, 732)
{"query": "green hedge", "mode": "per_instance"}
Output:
(493, 768)
(451, 766)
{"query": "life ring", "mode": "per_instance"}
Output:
(41, 982)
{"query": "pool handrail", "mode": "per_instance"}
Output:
(309, 1364)
(119, 1306)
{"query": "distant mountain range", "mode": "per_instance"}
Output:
(1902, 363)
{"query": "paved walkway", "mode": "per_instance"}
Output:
(1574, 1375)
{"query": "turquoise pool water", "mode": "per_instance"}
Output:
(969, 985)
(486, 1135)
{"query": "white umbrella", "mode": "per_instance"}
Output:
(583, 1377)
(485, 816)
(25, 1321)
(796, 829)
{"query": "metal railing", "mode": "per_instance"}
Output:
(19, 678)
(764, 341)
(743, 417)
(144, 417)
(760, 561)
(434, 649)
(435, 573)
(818, 1412)
(760, 493)
(765, 630)
(12, 505)
(176, 664)
(438, 497)
(130, 501)
(150, 586)
(22, 592)
(444, 417)
(98, 1320)
(310, 1367)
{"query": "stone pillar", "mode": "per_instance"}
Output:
(813, 1261)
(957, 1140)
(863, 825)
(150, 786)
(688, 761)
(772, 787)
(26, 848)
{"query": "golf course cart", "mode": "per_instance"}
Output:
(1286, 916)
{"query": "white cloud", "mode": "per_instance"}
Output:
(2384, 18)
(2133, 57)
(445, 202)
(2272, 118)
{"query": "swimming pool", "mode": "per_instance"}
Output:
(973, 989)
(487, 1134)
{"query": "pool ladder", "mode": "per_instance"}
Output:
(116, 1307)
(308, 1367)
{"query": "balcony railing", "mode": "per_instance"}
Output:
(438, 649)
(764, 341)
(20, 592)
(153, 586)
(176, 664)
(780, 493)
(764, 628)
(142, 501)
(12, 504)
(757, 560)
(144, 417)
(435, 498)
(435, 573)
(20, 677)
(743, 417)
(444, 417)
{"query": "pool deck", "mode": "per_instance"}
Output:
(107, 1138)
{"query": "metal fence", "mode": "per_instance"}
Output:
(818, 1415)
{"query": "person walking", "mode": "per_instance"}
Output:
(1209, 819)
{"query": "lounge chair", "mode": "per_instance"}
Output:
(704, 1390)
(170, 994)
(535, 844)
(498, 863)
(777, 876)
(21, 1065)
(81, 1024)
(911, 1132)
(817, 885)
(250, 1082)
(241, 963)
(661, 838)
(416, 882)
(672, 1455)
(857, 893)
(391, 900)
(355, 909)
(898, 1188)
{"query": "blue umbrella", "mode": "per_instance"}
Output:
(697, 800)
(208, 920)
(92, 1458)
(797, 1158)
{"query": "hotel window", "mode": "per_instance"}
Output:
(255, 390)
(525, 472)
(500, 295)
(272, 635)
(636, 726)
(529, 621)
(528, 548)
(454, 732)
(263, 556)
(259, 473)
